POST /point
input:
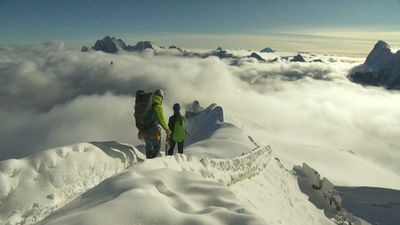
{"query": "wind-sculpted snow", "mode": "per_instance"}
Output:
(241, 168)
(164, 191)
(202, 125)
(227, 171)
(248, 189)
(31, 188)
(207, 134)
(170, 190)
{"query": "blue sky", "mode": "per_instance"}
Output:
(78, 21)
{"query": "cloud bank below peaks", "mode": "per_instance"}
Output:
(51, 97)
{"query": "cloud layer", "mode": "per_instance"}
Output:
(51, 97)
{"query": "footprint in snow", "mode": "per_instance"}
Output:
(163, 189)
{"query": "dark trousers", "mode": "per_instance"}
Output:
(172, 146)
(152, 138)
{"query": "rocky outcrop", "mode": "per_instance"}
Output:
(381, 68)
(380, 57)
(84, 49)
(109, 45)
(174, 47)
(267, 50)
(318, 60)
(140, 46)
(112, 45)
(298, 58)
(222, 54)
(257, 56)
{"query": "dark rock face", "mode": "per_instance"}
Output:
(121, 44)
(222, 54)
(317, 60)
(174, 47)
(298, 58)
(84, 49)
(381, 56)
(381, 68)
(267, 50)
(365, 77)
(107, 44)
(274, 60)
(256, 56)
(141, 46)
(112, 45)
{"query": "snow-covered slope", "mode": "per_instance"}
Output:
(342, 166)
(170, 190)
(225, 177)
(32, 187)
(208, 134)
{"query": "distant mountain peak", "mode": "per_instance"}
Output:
(267, 50)
(109, 44)
(141, 46)
(298, 58)
(257, 56)
(381, 68)
(382, 44)
(113, 45)
(380, 56)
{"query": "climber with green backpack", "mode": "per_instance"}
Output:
(177, 125)
(148, 118)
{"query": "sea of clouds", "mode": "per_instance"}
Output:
(51, 97)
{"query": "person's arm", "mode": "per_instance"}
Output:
(160, 115)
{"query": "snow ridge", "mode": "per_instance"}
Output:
(161, 177)
(61, 174)
(56, 176)
(231, 171)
